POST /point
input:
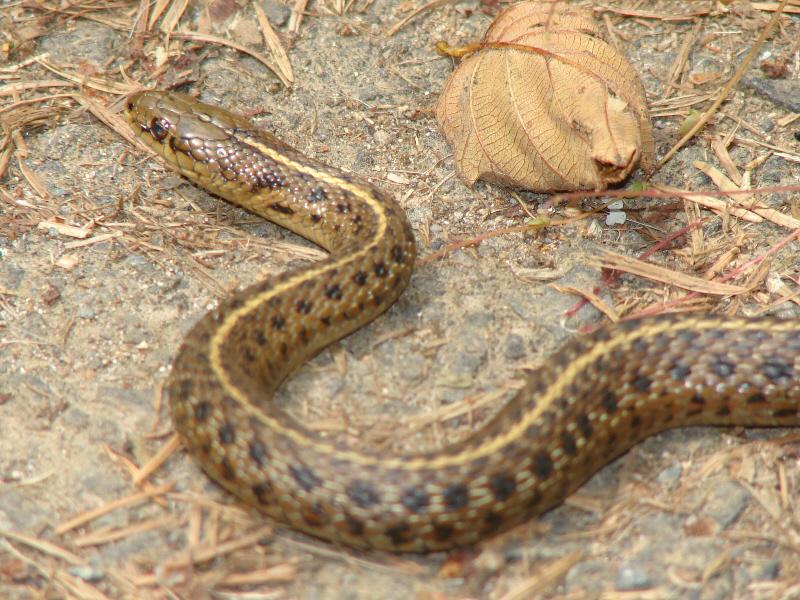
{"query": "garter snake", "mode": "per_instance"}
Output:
(589, 403)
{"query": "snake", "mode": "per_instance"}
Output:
(589, 402)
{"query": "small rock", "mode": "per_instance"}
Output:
(670, 475)
(515, 347)
(134, 336)
(783, 92)
(139, 262)
(769, 571)
(86, 572)
(382, 137)
(772, 171)
(75, 418)
(726, 503)
(632, 576)
(616, 214)
(276, 12)
(84, 312)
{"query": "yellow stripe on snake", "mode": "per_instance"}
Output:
(590, 402)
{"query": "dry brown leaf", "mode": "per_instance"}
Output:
(545, 104)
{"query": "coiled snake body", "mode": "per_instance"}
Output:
(592, 401)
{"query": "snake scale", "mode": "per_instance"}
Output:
(593, 399)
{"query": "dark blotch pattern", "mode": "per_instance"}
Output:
(442, 533)
(397, 254)
(303, 307)
(456, 496)
(271, 180)
(493, 521)
(360, 278)
(258, 453)
(277, 207)
(363, 494)
(776, 370)
(305, 477)
(399, 533)
(415, 500)
(354, 525)
(227, 434)
(757, 398)
(227, 470)
(201, 411)
(317, 195)
(585, 426)
(642, 383)
(278, 322)
(568, 443)
(542, 465)
(502, 486)
(380, 269)
(722, 367)
(262, 492)
(334, 292)
(679, 372)
(315, 515)
(609, 401)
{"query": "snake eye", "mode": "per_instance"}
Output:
(159, 128)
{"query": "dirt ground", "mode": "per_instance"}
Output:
(106, 260)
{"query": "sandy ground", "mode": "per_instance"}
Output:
(88, 326)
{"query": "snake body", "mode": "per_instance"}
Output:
(593, 400)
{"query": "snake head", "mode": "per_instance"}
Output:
(152, 119)
(172, 124)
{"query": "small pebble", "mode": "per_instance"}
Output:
(86, 572)
(616, 215)
(138, 261)
(84, 312)
(276, 12)
(670, 475)
(726, 502)
(632, 576)
(382, 137)
(769, 571)
(515, 347)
